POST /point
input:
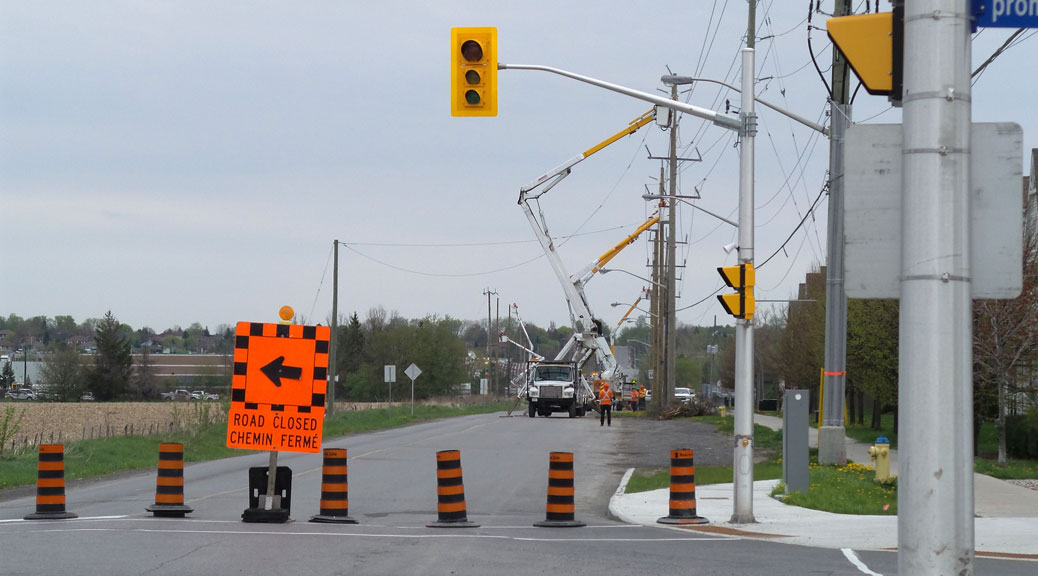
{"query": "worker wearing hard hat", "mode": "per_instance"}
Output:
(605, 403)
(634, 399)
(641, 397)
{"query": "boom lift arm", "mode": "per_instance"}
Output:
(588, 336)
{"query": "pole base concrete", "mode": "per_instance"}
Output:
(832, 449)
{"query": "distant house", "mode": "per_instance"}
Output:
(82, 343)
(7, 342)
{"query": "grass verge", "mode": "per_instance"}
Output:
(99, 457)
(848, 489)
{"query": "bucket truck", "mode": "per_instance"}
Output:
(559, 385)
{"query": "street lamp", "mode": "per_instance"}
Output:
(615, 304)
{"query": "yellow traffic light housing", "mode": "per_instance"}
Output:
(742, 278)
(873, 45)
(474, 71)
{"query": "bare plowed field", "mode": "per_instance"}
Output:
(43, 422)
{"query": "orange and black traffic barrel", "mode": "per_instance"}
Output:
(50, 484)
(560, 510)
(682, 490)
(450, 492)
(169, 485)
(335, 489)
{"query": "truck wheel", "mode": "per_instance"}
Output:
(573, 410)
(532, 410)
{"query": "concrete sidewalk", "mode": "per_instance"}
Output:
(1006, 522)
(1017, 536)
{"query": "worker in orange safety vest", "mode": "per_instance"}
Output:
(605, 402)
(641, 397)
(634, 400)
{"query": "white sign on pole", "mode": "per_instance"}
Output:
(483, 386)
(390, 373)
(873, 213)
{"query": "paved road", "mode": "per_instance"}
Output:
(392, 494)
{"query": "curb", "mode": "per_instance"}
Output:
(614, 501)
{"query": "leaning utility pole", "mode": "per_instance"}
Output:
(490, 328)
(831, 447)
(333, 373)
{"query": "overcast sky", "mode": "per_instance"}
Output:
(180, 162)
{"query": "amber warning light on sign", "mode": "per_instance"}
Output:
(278, 387)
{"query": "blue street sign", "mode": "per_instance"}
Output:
(1006, 13)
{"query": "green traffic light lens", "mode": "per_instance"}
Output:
(472, 77)
(472, 97)
(471, 51)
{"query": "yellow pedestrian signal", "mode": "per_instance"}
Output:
(474, 71)
(742, 278)
(873, 45)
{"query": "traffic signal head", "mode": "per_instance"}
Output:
(474, 71)
(742, 278)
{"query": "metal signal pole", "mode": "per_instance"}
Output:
(831, 447)
(743, 454)
(935, 392)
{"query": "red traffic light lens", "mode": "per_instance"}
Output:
(472, 97)
(472, 77)
(471, 51)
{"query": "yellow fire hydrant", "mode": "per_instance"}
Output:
(880, 453)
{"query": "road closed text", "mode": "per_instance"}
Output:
(259, 429)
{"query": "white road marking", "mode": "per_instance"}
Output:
(12, 520)
(850, 555)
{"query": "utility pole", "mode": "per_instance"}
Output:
(333, 376)
(670, 320)
(490, 328)
(661, 400)
(831, 447)
(935, 392)
(497, 343)
(742, 469)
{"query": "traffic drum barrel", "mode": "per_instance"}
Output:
(335, 489)
(560, 510)
(450, 492)
(169, 484)
(682, 490)
(50, 484)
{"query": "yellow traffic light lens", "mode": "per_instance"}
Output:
(472, 77)
(472, 97)
(471, 51)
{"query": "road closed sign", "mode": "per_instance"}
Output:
(278, 387)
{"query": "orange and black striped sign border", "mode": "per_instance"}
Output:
(169, 483)
(50, 484)
(241, 342)
(682, 490)
(561, 507)
(450, 492)
(335, 489)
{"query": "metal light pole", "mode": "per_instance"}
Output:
(333, 372)
(743, 453)
(935, 486)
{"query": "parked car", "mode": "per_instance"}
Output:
(87, 397)
(684, 395)
(21, 394)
